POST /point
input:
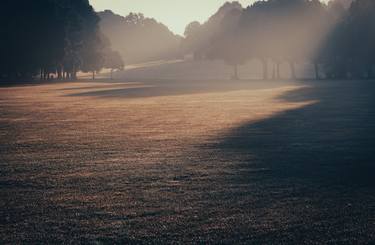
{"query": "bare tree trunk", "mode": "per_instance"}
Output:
(59, 73)
(73, 75)
(292, 69)
(235, 70)
(265, 69)
(93, 75)
(44, 75)
(111, 74)
(316, 68)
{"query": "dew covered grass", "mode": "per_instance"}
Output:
(163, 161)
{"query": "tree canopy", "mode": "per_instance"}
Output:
(338, 37)
(44, 38)
(138, 38)
(49, 37)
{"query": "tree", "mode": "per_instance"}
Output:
(93, 61)
(139, 38)
(29, 40)
(227, 44)
(49, 38)
(198, 37)
(193, 41)
(349, 51)
(360, 37)
(113, 61)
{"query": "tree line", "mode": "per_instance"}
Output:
(52, 38)
(139, 38)
(338, 38)
(59, 38)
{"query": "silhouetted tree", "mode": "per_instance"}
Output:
(113, 61)
(198, 37)
(284, 30)
(49, 38)
(349, 51)
(228, 43)
(292, 31)
(57, 38)
(359, 38)
(139, 39)
(193, 42)
(29, 41)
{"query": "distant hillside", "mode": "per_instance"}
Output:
(138, 38)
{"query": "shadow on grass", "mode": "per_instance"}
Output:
(330, 142)
(28, 83)
(171, 87)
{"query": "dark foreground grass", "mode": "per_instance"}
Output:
(163, 163)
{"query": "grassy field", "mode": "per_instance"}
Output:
(177, 160)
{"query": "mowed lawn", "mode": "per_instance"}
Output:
(162, 161)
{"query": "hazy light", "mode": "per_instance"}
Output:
(176, 14)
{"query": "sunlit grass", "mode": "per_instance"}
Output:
(85, 163)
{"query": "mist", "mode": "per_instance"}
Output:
(252, 123)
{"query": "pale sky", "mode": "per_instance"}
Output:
(176, 14)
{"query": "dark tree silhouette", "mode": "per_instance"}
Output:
(359, 37)
(284, 31)
(58, 38)
(198, 37)
(29, 41)
(349, 51)
(49, 38)
(336, 38)
(228, 44)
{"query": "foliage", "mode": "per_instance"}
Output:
(339, 37)
(139, 38)
(49, 37)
